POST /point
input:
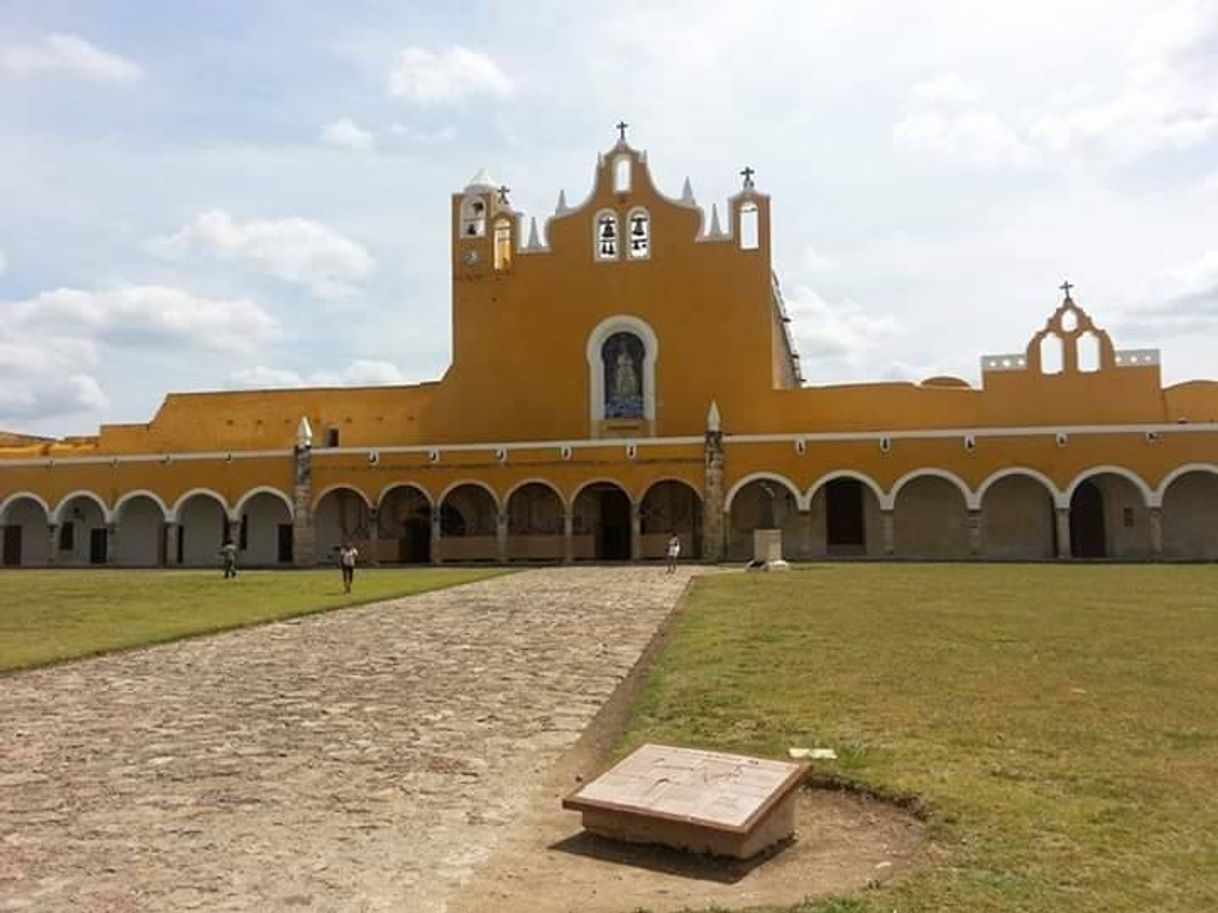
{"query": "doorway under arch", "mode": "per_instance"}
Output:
(601, 523)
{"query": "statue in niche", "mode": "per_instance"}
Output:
(622, 361)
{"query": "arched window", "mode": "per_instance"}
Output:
(606, 235)
(621, 175)
(1088, 349)
(503, 244)
(622, 361)
(750, 235)
(639, 228)
(1051, 354)
(473, 217)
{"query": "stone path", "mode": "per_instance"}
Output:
(364, 760)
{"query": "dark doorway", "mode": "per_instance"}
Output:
(1087, 537)
(97, 546)
(845, 528)
(284, 552)
(12, 546)
(415, 546)
(612, 530)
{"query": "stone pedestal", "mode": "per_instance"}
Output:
(767, 551)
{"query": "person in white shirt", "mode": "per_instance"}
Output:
(673, 551)
(347, 553)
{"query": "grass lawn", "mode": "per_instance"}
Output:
(1060, 722)
(52, 615)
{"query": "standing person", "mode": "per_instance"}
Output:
(228, 558)
(673, 551)
(347, 553)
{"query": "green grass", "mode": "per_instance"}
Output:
(1059, 722)
(55, 615)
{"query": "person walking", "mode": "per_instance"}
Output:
(673, 551)
(347, 553)
(228, 559)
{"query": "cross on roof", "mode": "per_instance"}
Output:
(503, 192)
(748, 176)
(1066, 286)
(621, 129)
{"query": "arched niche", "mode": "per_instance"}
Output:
(468, 524)
(600, 520)
(671, 506)
(1109, 516)
(622, 352)
(1190, 515)
(845, 517)
(24, 527)
(1018, 517)
(342, 515)
(265, 536)
(82, 538)
(769, 502)
(140, 520)
(202, 519)
(930, 518)
(535, 521)
(404, 520)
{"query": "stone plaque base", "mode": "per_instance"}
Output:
(767, 551)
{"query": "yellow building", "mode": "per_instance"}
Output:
(615, 425)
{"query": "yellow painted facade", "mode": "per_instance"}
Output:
(629, 377)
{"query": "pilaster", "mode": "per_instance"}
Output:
(112, 544)
(1156, 533)
(976, 534)
(1061, 517)
(568, 536)
(52, 542)
(501, 537)
(304, 536)
(713, 519)
(888, 531)
(636, 532)
(437, 543)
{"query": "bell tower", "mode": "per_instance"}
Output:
(483, 227)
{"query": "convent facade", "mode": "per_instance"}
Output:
(612, 426)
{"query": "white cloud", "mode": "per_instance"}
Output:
(346, 134)
(359, 373)
(942, 120)
(71, 54)
(424, 137)
(945, 89)
(294, 249)
(1209, 184)
(1183, 300)
(51, 344)
(841, 333)
(424, 77)
(3, 263)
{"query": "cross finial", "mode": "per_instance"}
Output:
(503, 192)
(747, 174)
(1066, 286)
(621, 129)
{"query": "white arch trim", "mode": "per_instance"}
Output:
(394, 486)
(763, 477)
(621, 323)
(1161, 491)
(339, 486)
(20, 495)
(845, 474)
(474, 482)
(971, 502)
(677, 479)
(176, 513)
(1150, 497)
(263, 490)
(141, 493)
(507, 498)
(1059, 497)
(57, 516)
(604, 480)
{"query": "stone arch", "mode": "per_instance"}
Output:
(24, 522)
(341, 513)
(202, 516)
(1189, 498)
(844, 512)
(403, 516)
(928, 519)
(1110, 514)
(140, 517)
(601, 521)
(82, 518)
(1018, 514)
(57, 514)
(469, 512)
(970, 501)
(536, 515)
(621, 323)
(670, 505)
(265, 534)
(535, 480)
(263, 490)
(751, 507)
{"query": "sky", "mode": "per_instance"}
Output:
(212, 195)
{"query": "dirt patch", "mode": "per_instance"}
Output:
(846, 840)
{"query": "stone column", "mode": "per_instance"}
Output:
(170, 538)
(1156, 533)
(713, 517)
(568, 536)
(436, 531)
(52, 542)
(374, 537)
(1062, 518)
(636, 532)
(232, 530)
(304, 535)
(112, 544)
(888, 531)
(976, 538)
(805, 535)
(501, 536)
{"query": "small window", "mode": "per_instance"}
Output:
(473, 217)
(621, 175)
(606, 236)
(503, 244)
(67, 536)
(640, 234)
(331, 437)
(750, 234)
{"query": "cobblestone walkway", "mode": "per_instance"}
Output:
(364, 760)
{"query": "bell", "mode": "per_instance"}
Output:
(638, 231)
(607, 231)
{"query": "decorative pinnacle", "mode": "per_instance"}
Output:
(747, 173)
(1065, 287)
(621, 129)
(304, 433)
(712, 417)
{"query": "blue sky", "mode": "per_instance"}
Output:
(207, 195)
